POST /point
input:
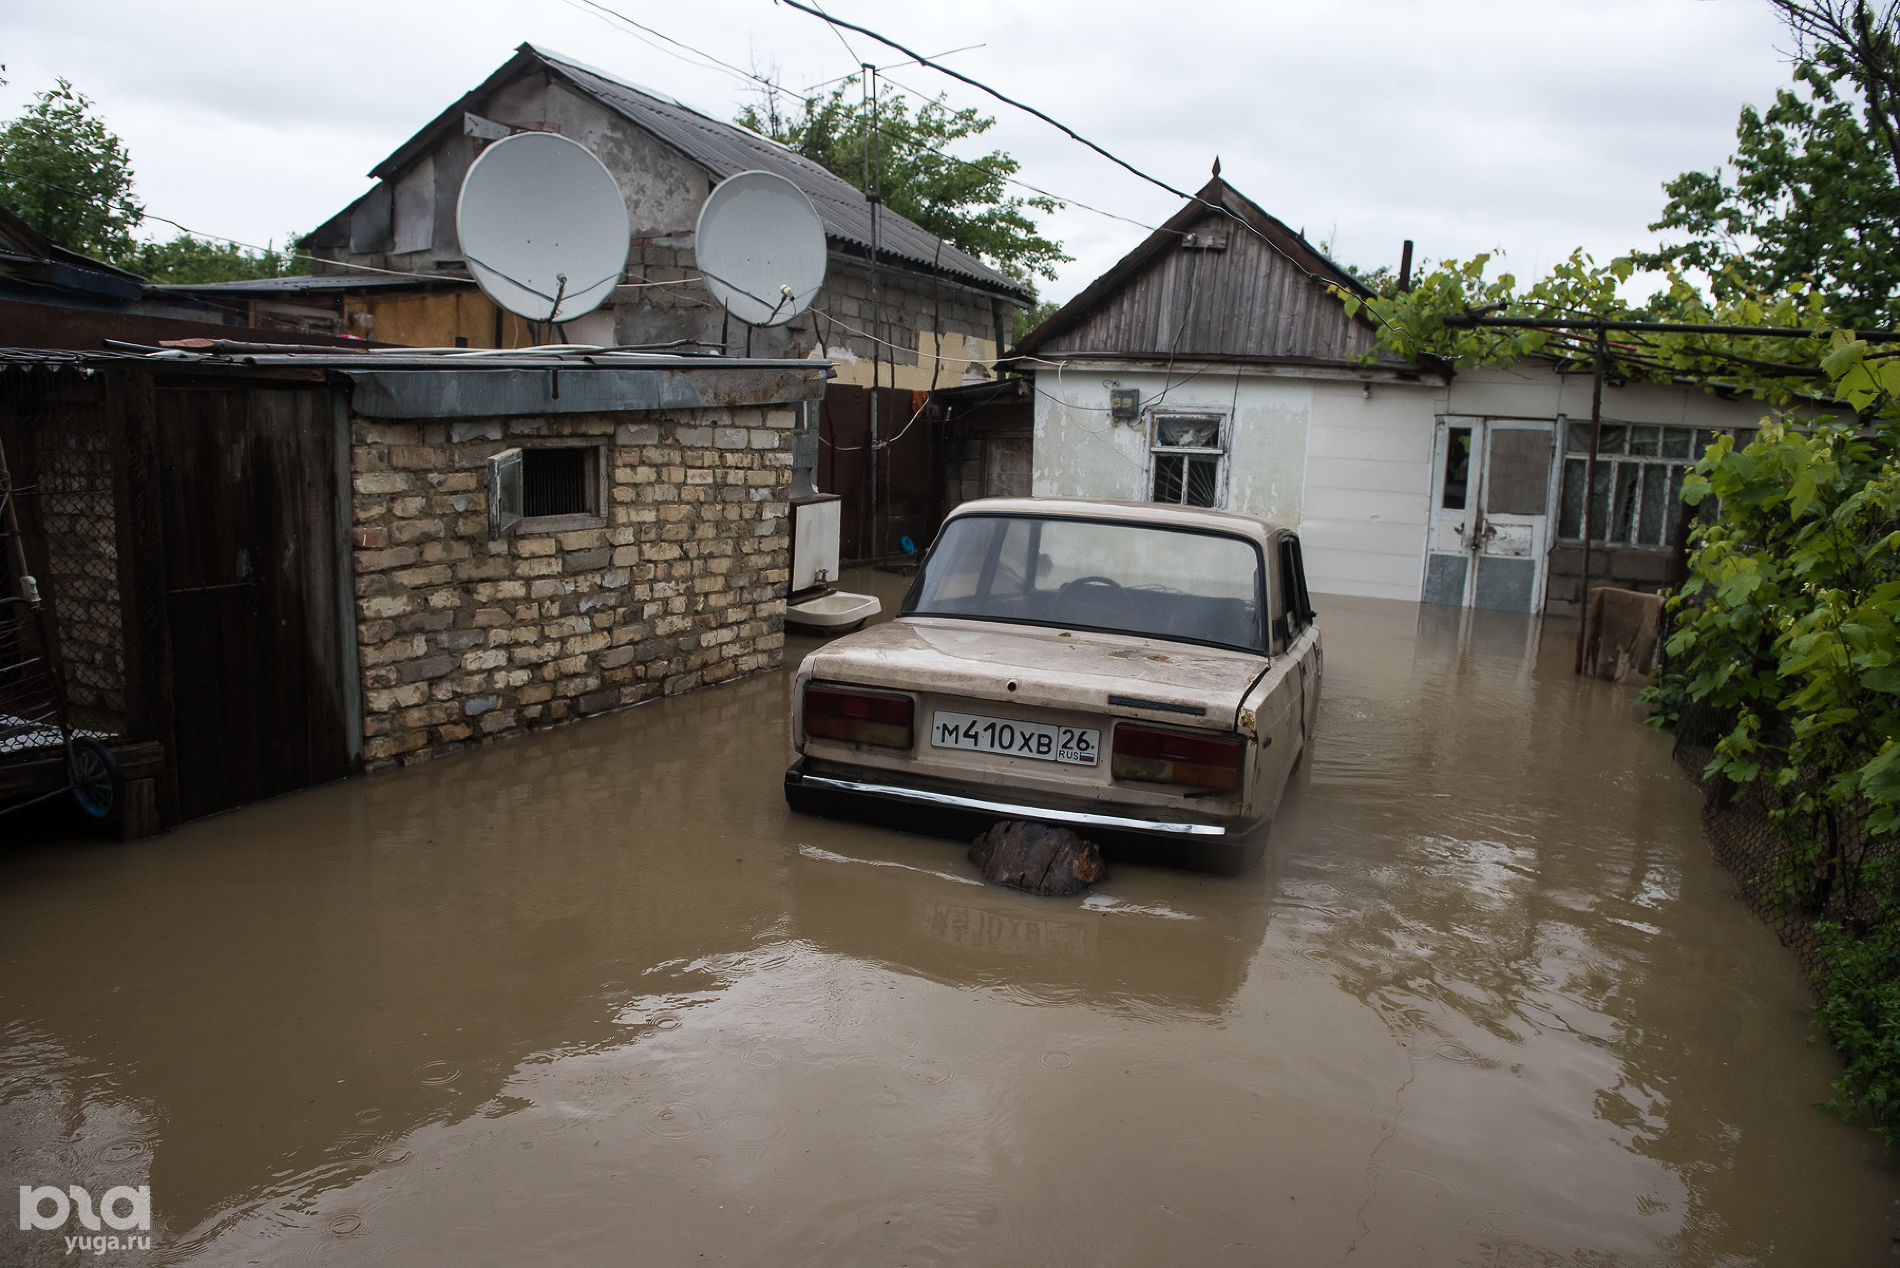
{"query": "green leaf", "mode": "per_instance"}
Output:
(1880, 778)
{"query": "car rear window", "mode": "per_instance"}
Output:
(1095, 574)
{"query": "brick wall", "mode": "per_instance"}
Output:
(677, 583)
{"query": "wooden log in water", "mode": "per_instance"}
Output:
(1037, 859)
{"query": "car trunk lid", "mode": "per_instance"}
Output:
(1095, 673)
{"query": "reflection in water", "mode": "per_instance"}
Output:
(596, 994)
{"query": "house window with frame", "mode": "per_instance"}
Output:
(1637, 496)
(1189, 458)
(543, 489)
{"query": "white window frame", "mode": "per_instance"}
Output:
(1614, 459)
(1158, 451)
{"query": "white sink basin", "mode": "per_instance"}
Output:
(835, 611)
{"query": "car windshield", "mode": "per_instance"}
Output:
(1097, 574)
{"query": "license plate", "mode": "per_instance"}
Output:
(1078, 746)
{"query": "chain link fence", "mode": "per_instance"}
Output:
(53, 426)
(1793, 874)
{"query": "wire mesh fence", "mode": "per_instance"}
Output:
(1793, 873)
(53, 428)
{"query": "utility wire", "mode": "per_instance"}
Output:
(838, 79)
(608, 13)
(752, 77)
(1071, 133)
(296, 255)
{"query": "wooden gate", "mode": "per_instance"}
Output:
(902, 468)
(247, 496)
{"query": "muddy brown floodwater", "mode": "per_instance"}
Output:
(595, 995)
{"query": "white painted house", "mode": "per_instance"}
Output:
(1215, 365)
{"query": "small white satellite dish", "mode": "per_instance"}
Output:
(543, 226)
(760, 248)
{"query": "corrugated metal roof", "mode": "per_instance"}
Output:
(725, 149)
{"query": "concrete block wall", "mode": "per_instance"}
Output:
(1628, 568)
(679, 582)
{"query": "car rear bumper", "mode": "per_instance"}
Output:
(952, 812)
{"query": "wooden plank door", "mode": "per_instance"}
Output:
(248, 496)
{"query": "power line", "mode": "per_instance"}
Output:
(849, 51)
(272, 251)
(754, 78)
(611, 13)
(1071, 133)
(894, 65)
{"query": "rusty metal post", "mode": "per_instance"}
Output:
(1590, 490)
(873, 195)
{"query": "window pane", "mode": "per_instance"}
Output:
(1457, 468)
(1577, 438)
(1166, 583)
(1654, 517)
(1203, 481)
(1168, 477)
(1182, 431)
(1676, 441)
(1672, 531)
(1645, 440)
(1624, 517)
(1703, 439)
(1600, 500)
(1612, 438)
(1570, 514)
(504, 492)
(956, 568)
(1517, 476)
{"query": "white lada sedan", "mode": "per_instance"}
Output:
(1146, 675)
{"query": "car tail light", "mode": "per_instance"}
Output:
(1161, 756)
(859, 717)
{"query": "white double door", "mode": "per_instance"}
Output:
(1493, 483)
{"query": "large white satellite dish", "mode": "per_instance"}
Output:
(760, 248)
(543, 226)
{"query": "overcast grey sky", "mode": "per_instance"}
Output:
(1466, 125)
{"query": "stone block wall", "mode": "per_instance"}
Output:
(677, 583)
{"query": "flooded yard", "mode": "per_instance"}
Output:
(596, 995)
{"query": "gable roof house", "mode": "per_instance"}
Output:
(916, 315)
(1215, 365)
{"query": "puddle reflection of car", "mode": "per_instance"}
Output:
(1146, 675)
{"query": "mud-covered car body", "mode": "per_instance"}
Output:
(1147, 675)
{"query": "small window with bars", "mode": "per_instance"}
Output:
(543, 489)
(1636, 499)
(1189, 459)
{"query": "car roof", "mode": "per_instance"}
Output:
(1195, 517)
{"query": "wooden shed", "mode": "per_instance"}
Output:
(283, 568)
